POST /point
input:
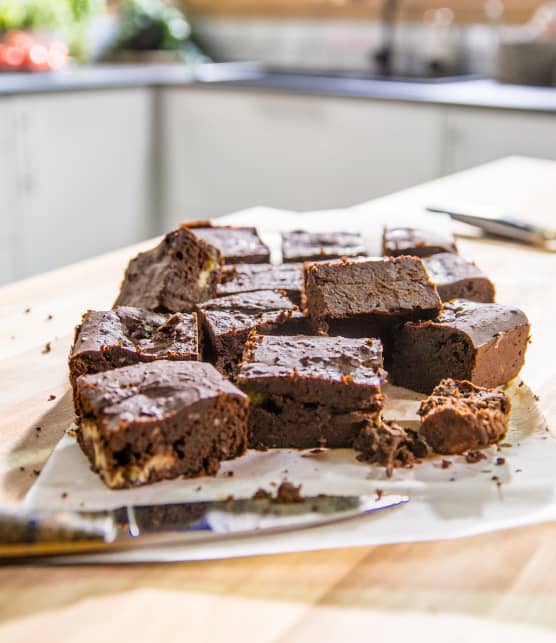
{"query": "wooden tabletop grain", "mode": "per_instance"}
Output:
(500, 586)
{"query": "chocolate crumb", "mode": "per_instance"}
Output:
(446, 464)
(38, 429)
(520, 384)
(390, 446)
(452, 479)
(519, 470)
(500, 461)
(261, 494)
(64, 495)
(473, 456)
(506, 445)
(51, 397)
(27, 311)
(536, 398)
(379, 494)
(288, 493)
(22, 468)
(230, 474)
(49, 317)
(230, 498)
(47, 348)
(198, 488)
(36, 472)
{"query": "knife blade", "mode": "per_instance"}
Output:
(496, 222)
(40, 534)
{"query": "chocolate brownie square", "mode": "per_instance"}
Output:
(108, 339)
(311, 391)
(457, 278)
(366, 297)
(459, 416)
(159, 420)
(236, 245)
(482, 343)
(181, 271)
(398, 241)
(288, 277)
(299, 245)
(227, 322)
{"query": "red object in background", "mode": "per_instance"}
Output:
(21, 51)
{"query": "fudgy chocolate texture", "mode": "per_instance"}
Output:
(397, 241)
(227, 322)
(159, 420)
(299, 245)
(237, 245)
(482, 343)
(345, 374)
(311, 391)
(181, 271)
(389, 445)
(240, 278)
(457, 278)
(459, 416)
(108, 339)
(366, 297)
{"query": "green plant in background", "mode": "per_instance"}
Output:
(152, 24)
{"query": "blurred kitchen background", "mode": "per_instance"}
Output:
(119, 119)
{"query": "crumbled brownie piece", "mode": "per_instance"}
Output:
(368, 297)
(500, 462)
(473, 456)
(126, 335)
(227, 322)
(457, 278)
(288, 277)
(159, 420)
(236, 244)
(398, 241)
(482, 343)
(307, 392)
(181, 271)
(47, 348)
(459, 416)
(261, 494)
(299, 245)
(389, 445)
(288, 493)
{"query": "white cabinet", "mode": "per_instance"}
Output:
(227, 149)
(475, 136)
(85, 173)
(8, 192)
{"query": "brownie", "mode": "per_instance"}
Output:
(398, 241)
(366, 297)
(311, 391)
(181, 271)
(248, 277)
(237, 245)
(227, 321)
(299, 245)
(459, 416)
(108, 339)
(482, 343)
(457, 278)
(159, 420)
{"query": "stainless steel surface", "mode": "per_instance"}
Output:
(495, 222)
(46, 535)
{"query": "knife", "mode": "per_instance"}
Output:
(496, 222)
(40, 534)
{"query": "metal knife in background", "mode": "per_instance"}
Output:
(496, 222)
(26, 535)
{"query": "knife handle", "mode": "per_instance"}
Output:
(21, 528)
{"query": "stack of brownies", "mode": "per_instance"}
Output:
(211, 349)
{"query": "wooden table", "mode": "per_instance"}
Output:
(498, 585)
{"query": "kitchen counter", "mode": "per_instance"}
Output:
(498, 586)
(469, 92)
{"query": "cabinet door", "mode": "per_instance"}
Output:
(226, 150)
(475, 136)
(8, 191)
(87, 158)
